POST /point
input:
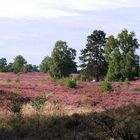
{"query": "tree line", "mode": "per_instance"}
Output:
(111, 58)
(19, 65)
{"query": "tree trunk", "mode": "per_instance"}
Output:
(97, 78)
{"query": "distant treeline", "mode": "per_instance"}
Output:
(110, 58)
(19, 65)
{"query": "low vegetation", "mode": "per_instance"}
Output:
(39, 102)
(70, 83)
(122, 123)
(82, 78)
(7, 80)
(106, 86)
(16, 107)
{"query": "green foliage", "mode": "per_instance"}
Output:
(70, 83)
(25, 68)
(121, 57)
(15, 122)
(33, 68)
(120, 82)
(126, 81)
(82, 78)
(106, 86)
(18, 64)
(16, 107)
(3, 65)
(30, 68)
(67, 82)
(93, 63)
(61, 81)
(62, 61)
(39, 102)
(9, 67)
(44, 66)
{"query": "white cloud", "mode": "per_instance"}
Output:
(55, 8)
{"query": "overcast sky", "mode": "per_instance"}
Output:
(31, 27)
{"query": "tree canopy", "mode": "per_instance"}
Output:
(121, 56)
(18, 64)
(62, 62)
(93, 63)
(3, 65)
(44, 66)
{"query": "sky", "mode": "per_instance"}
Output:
(31, 27)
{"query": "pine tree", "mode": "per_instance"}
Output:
(93, 63)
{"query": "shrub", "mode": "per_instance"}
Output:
(16, 107)
(121, 82)
(39, 102)
(106, 86)
(82, 78)
(61, 81)
(126, 81)
(70, 83)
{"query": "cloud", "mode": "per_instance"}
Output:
(55, 8)
(34, 38)
(30, 8)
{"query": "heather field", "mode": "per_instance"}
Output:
(77, 107)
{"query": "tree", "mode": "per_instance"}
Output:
(35, 68)
(9, 67)
(3, 64)
(18, 64)
(121, 56)
(62, 60)
(44, 66)
(113, 57)
(92, 58)
(30, 68)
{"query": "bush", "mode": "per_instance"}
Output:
(39, 102)
(82, 78)
(67, 82)
(126, 81)
(120, 82)
(106, 86)
(16, 107)
(61, 81)
(70, 83)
